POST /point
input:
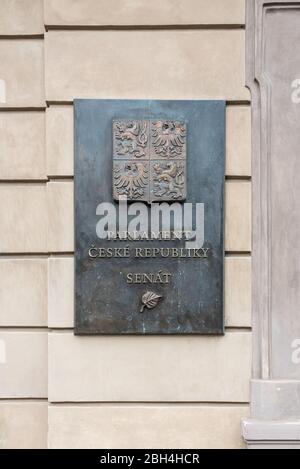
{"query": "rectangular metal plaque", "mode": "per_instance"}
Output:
(149, 182)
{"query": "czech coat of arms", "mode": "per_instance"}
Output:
(149, 160)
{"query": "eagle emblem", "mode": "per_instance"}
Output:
(168, 138)
(130, 179)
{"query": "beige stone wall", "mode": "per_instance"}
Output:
(56, 389)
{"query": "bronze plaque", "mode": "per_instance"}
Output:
(149, 182)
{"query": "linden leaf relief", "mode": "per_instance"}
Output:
(150, 300)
